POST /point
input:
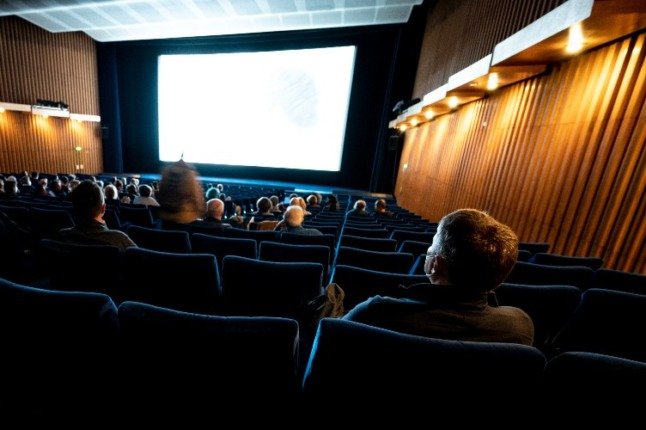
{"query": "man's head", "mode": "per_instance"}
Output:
(294, 216)
(380, 205)
(215, 208)
(88, 201)
(360, 205)
(145, 190)
(471, 250)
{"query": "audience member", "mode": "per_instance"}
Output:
(145, 196)
(332, 203)
(88, 208)
(293, 222)
(359, 209)
(180, 194)
(213, 218)
(263, 212)
(471, 255)
(381, 209)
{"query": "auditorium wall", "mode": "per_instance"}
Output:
(36, 64)
(560, 158)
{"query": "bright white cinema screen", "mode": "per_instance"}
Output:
(281, 109)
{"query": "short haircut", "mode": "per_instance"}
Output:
(215, 208)
(263, 204)
(87, 199)
(479, 251)
(145, 190)
(360, 204)
(294, 216)
(381, 203)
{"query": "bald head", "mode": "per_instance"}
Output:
(215, 208)
(294, 216)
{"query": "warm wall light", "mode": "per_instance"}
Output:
(575, 39)
(453, 102)
(414, 122)
(78, 148)
(492, 81)
(429, 114)
(1, 109)
(403, 127)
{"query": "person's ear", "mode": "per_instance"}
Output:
(103, 206)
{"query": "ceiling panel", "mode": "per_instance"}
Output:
(114, 20)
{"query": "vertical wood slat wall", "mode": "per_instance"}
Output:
(458, 24)
(36, 64)
(560, 158)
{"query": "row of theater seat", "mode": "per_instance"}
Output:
(73, 353)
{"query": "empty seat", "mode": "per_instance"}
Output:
(97, 268)
(393, 262)
(221, 246)
(253, 287)
(361, 284)
(365, 232)
(620, 281)
(179, 281)
(534, 247)
(606, 322)
(402, 235)
(413, 246)
(160, 240)
(565, 260)
(284, 252)
(302, 239)
(204, 360)
(378, 366)
(540, 274)
(371, 244)
(549, 306)
(45, 223)
(135, 215)
(606, 386)
(58, 352)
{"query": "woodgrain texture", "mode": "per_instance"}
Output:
(36, 64)
(560, 158)
(460, 32)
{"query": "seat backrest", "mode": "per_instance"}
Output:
(402, 235)
(204, 358)
(534, 247)
(361, 284)
(606, 322)
(368, 243)
(392, 262)
(620, 281)
(46, 223)
(160, 240)
(257, 235)
(254, 287)
(365, 232)
(565, 260)
(221, 246)
(302, 239)
(413, 246)
(606, 386)
(351, 360)
(135, 215)
(549, 306)
(188, 282)
(56, 347)
(73, 267)
(540, 274)
(284, 252)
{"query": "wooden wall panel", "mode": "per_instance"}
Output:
(560, 158)
(458, 24)
(36, 64)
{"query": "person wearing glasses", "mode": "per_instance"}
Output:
(471, 255)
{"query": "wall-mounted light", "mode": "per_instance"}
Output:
(429, 114)
(453, 102)
(50, 111)
(492, 81)
(575, 39)
(78, 148)
(414, 122)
